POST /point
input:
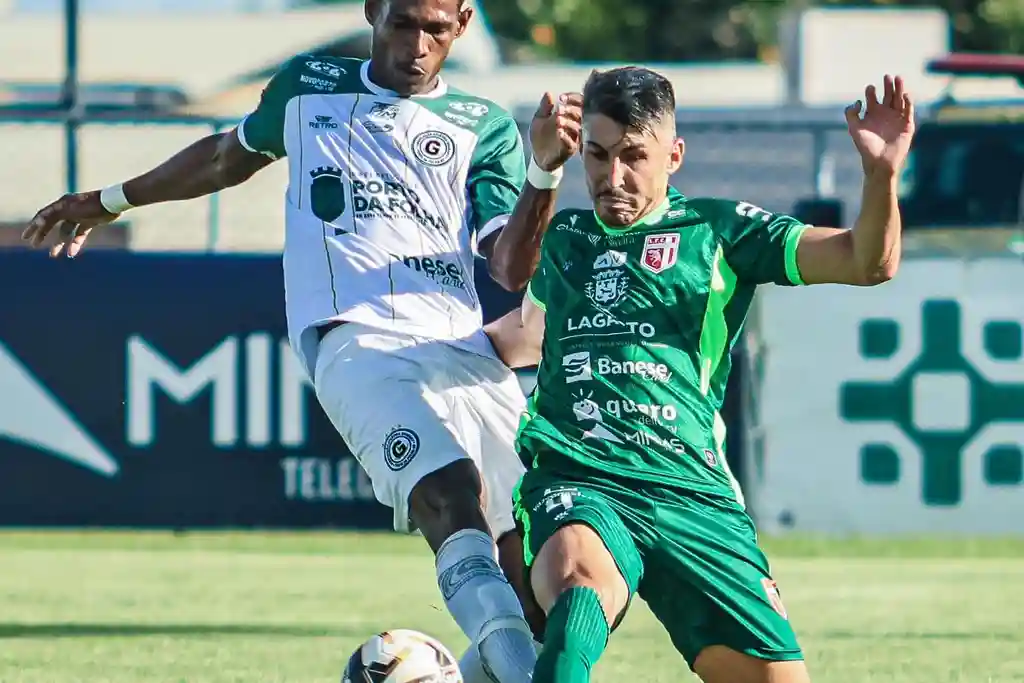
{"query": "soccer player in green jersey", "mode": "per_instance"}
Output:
(634, 307)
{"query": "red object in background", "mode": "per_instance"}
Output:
(978, 64)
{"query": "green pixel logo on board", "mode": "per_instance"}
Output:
(940, 401)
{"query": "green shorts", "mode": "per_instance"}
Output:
(692, 558)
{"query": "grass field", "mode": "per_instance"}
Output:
(225, 608)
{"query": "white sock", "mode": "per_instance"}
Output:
(485, 607)
(473, 669)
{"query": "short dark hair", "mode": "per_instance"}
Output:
(630, 95)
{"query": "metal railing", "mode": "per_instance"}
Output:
(769, 157)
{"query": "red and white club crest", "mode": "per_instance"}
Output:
(771, 591)
(660, 252)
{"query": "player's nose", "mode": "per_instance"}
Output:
(421, 46)
(615, 174)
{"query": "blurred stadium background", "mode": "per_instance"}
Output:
(151, 420)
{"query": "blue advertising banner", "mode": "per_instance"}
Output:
(159, 391)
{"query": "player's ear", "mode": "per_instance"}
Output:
(675, 157)
(371, 10)
(465, 14)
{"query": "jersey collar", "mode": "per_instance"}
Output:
(440, 90)
(651, 218)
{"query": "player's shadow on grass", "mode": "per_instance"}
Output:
(918, 635)
(71, 630)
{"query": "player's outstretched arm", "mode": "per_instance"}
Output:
(554, 137)
(214, 163)
(869, 253)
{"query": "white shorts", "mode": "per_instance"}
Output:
(408, 406)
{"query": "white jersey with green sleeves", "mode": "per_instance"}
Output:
(387, 199)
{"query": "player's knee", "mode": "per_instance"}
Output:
(448, 500)
(720, 664)
(576, 557)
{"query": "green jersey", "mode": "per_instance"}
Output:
(640, 322)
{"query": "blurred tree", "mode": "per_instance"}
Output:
(978, 25)
(709, 30)
(653, 30)
(1004, 21)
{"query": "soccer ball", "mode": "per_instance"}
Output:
(402, 656)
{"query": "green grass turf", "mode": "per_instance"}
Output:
(219, 608)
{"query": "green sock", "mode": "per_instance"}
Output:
(575, 636)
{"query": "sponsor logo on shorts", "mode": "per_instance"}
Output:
(558, 502)
(771, 591)
(433, 148)
(710, 458)
(400, 447)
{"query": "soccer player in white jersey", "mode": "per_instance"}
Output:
(395, 181)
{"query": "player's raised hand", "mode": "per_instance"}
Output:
(555, 129)
(883, 134)
(70, 219)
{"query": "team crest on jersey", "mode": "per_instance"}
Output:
(610, 280)
(660, 252)
(433, 148)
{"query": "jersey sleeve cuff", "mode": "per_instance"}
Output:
(533, 297)
(490, 227)
(791, 244)
(240, 132)
(244, 141)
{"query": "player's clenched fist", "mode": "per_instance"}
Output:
(71, 218)
(555, 129)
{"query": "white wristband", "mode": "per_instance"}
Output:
(113, 200)
(541, 179)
